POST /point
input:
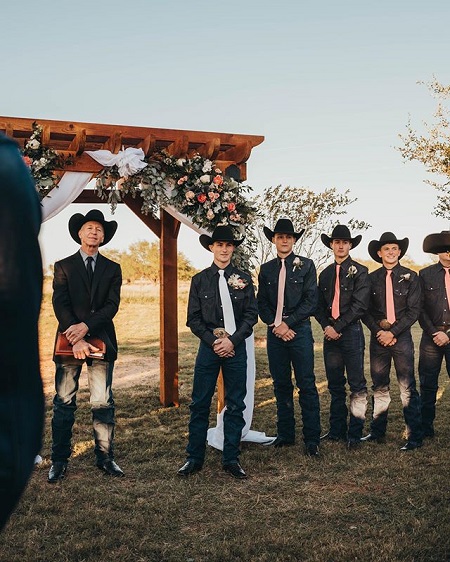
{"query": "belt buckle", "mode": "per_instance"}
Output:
(220, 333)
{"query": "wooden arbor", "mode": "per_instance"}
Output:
(227, 150)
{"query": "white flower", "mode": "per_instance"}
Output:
(181, 162)
(207, 166)
(210, 214)
(297, 263)
(404, 277)
(33, 144)
(237, 282)
(352, 271)
(206, 178)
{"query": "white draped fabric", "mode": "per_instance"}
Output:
(69, 187)
(129, 162)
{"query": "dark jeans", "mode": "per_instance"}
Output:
(65, 404)
(206, 371)
(430, 363)
(346, 355)
(402, 353)
(299, 355)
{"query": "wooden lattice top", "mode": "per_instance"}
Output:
(74, 138)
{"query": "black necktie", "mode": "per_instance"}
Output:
(90, 271)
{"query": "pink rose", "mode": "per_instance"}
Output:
(201, 198)
(189, 195)
(182, 180)
(231, 207)
(218, 180)
(27, 161)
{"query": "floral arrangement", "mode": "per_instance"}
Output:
(237, 282)
(195, 186)
(352, 271)
(42, 162)
(297, 263)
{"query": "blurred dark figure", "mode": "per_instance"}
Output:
(21, 396)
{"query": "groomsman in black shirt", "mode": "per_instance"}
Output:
(435, 322)
(394, 307)
(222, 311)
(287, 297)
(344, 294)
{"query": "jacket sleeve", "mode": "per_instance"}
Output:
(194, 315)
(424, 319)
(265, 310)
(321, 312)
(61, 298)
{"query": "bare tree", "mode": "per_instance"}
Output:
(317, 213)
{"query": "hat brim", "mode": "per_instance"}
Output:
(270, 234)
(326, 240)
(375, 245)
(207, 241)
(76, 222)
(438, 243)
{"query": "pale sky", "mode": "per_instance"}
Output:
(329, 84)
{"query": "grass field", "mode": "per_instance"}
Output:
(372, 504)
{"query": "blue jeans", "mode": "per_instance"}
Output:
(206, 371)
(65, 404)
(346, 355)
(402, 353)
(430, 363)
(299, 355)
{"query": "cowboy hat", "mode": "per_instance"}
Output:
(283, 226)
(220, 234)
(387, 238)
(437, 243)
(76, 222)
(340, 232)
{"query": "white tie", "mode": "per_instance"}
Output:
(227, 307)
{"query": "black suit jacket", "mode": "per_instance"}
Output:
(21, 397)
(73, 302)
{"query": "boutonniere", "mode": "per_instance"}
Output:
(404, 277)
(297, 263)
(237, 282)
(352, 271)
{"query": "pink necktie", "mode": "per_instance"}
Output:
(337, 293)
(447, 285)
(390, 308)
(280, 300)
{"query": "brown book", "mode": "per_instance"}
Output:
(64, 348)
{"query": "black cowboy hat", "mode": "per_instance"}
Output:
(387, 238)
(283, 226)
(437, 243)
(220, 234)
(76, 222)
(340, 232)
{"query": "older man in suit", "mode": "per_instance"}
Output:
(21, 397)
(86, 296)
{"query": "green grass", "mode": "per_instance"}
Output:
(372, 504)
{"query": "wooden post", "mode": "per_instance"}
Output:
(168, 310)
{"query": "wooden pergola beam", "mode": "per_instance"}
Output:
(74, 138)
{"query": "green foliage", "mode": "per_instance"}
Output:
(432, 149)
(141, 261)
(317, 213)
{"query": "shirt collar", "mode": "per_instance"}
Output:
(228, 269)
(85, 256)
